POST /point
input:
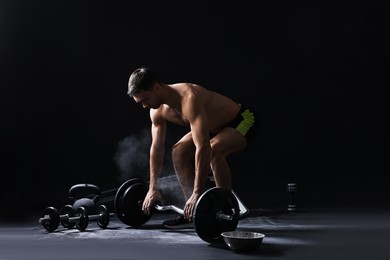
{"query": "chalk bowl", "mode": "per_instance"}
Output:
(242, 241)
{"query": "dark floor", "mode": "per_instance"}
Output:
(308, 234)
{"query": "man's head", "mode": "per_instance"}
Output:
(142, 79)
(142, 84)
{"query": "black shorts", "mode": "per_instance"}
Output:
(247, 123)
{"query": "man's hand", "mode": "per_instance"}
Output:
(190, 206)
(151, 197)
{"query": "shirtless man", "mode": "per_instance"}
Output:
(218, 125)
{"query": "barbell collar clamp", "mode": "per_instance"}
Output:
(222, 216)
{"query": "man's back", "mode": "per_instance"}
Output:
(219, 109)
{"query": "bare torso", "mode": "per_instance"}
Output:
(220, 110)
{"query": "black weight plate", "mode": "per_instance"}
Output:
(127, 184)
(118, 205)
(208, 225)
(129, 205)
(82, 223)
(104, 218)
(71, 212)
(121, 191)
(54, 219)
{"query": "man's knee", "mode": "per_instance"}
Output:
(181, 152)
(217, 152)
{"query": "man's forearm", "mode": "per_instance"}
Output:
(156, 162)
(202, 168)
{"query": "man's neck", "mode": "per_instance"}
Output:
(172, 97)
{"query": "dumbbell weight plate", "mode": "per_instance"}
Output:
(82, 223)
(126, 203)
(207, 225)
(105, 216)
(71, 212)
(54, 219)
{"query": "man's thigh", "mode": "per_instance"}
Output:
(228, 141)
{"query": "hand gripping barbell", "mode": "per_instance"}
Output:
(69, 217)
(216, 211)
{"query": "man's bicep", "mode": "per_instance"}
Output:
(199, 130)
(158, 129)
(198, 120)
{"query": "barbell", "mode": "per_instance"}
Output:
(216, 210)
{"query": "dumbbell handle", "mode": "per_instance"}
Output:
(44, 219)
(98, 216)
(65, 216)
(48, 218)
(71, 219)
(62, 217)
(220, 214)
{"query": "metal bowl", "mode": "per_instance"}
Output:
(242, 240)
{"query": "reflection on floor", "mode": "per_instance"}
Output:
(310, 234)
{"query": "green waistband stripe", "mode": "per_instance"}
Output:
(247, 123)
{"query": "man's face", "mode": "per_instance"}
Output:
(148, 99)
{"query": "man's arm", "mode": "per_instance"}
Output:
(157, 151)
(201, 140)
(194, 111)
(157, 148)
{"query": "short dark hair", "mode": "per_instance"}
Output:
(141, 79)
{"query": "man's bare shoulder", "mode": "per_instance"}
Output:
(166, 113)
(187, 86)
(189, 91)
(157, 115)
(162, 112)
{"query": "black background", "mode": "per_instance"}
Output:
(314, 72)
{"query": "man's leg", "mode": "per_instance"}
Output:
(183, 157)
(183, 154)
(228, 141)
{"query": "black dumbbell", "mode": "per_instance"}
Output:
(72, 217)
(81, 220)
(67, 212)
(102, 216)
(52, 218)
(291, 188)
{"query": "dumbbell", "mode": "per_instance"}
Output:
(216, 211)
(291, 188)
(71, 217)
(102, 216)
(52, 218)
(67, 212)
